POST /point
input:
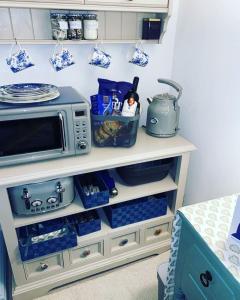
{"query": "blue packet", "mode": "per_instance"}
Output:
(101, 104)
(109, 87)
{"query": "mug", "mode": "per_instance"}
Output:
(19, 60)
(62, 59)
(139, 58)
(100, 58)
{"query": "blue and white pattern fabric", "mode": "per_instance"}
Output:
(176, 231)
(139, 58)
(100, 58)
(19, 60)
(62, 59)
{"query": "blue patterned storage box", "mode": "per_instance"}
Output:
(33, 244)
(86, 222)
(96, 198)
(136, 210)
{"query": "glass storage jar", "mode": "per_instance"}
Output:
(75, 31)
(59, 26)
(90, 24)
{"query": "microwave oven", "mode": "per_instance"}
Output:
(45, 130)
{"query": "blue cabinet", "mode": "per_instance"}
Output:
(199, 274)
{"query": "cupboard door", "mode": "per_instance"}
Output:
(149, 3)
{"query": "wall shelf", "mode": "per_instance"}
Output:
(72, 42)
(114, 26)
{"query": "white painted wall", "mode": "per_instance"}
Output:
(83, 76)
(207, 64)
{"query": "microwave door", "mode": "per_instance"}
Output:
(32, 135)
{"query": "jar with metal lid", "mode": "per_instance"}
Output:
(90, 24)
(59, 26)
(75, 31)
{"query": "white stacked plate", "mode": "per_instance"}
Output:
(24, 93)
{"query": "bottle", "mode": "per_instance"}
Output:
(131, 102)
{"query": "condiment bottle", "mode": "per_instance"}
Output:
(131, 100)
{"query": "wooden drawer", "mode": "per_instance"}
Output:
(89, 252)
(124, 242)
(157, 233)
(44, 266)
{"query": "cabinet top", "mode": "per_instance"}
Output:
(147, 148)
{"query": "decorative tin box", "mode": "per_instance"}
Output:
(34, 243)
(86, 222)
(92, 190)
(136, 210)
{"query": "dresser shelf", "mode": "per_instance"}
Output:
(126, 193)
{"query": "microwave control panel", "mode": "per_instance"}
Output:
(82, 129)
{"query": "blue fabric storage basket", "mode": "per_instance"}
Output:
(30, 250)
(86, 222)
(136, 210)
(96, 199)
(43, 227)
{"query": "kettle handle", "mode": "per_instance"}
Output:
(173, 84)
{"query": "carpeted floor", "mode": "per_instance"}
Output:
(135, 281)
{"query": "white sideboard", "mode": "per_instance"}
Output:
(104, 249)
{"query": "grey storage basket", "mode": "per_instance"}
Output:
(114, 131)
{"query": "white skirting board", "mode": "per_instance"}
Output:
(3, 271)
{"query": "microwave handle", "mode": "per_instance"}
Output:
(61, 119)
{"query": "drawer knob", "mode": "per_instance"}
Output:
(86, 253)
(206, 278)
(158, 231)
(43, 266)
(123, 242)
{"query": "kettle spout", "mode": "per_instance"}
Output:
(149, 100)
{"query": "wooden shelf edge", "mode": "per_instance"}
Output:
(77, 6)
(77, 42)
(165, 185)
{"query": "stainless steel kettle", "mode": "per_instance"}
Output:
(163, 112)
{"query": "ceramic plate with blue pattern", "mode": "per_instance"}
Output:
(28, 92)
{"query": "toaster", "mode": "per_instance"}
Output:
(41, 197)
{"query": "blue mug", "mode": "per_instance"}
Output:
(62, 59)
(100, 58)
(20, 60)
(139, 58)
